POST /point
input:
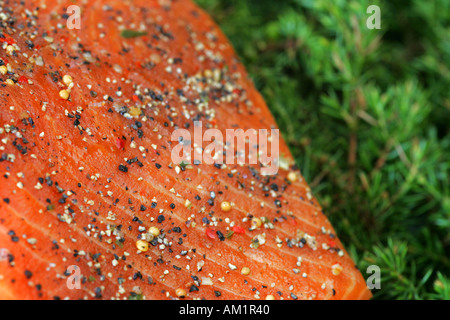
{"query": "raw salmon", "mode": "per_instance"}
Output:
(92, 205)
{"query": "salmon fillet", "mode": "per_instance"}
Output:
(88, 186)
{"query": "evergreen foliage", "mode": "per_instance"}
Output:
(367, 115)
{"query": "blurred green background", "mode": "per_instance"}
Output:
(367, 116)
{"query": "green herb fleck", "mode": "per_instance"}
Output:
(132, 33)
(119, 243)
(135, 296)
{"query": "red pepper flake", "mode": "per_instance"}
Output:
(211, 234)
(7, 39)
(120, 143)
(238, 229)
(135, 98)
(22, 79)
(332, 244)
